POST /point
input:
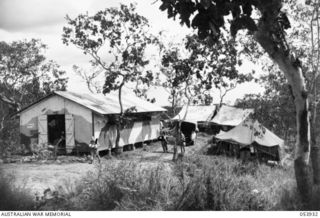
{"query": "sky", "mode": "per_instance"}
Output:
(44, 19)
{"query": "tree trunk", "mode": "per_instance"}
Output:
(118, 149)
(315, 148)
(315, 159)
(175, 151)
(176, 141)
(315, 155)
(173, 105)
(289, 65)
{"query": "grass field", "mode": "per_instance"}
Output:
(40, 176)
(147, 179)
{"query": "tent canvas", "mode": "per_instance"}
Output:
(231, 116)
(194, 114)
(248, 132)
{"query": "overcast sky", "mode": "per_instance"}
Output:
(44, 19)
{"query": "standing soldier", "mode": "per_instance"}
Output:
(163, 138)
(179, 140)
(93, 146)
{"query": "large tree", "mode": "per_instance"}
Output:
(196, 70)
(266, 22)
(304, 40)
(124, 34)
(25, 76)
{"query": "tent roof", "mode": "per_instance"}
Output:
(249, 131)
(231, 116)
(105, 104)
(194, 114)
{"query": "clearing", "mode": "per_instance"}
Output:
(42, 175)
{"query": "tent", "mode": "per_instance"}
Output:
(195, 114)
(250, 133)
(191, 116)
(231, 116)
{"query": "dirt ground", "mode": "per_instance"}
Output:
(40, 176)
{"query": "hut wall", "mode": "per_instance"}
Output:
(82, 117)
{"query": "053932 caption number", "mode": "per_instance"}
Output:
(310, 213)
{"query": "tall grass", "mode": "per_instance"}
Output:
(14, 197)
(197, 183)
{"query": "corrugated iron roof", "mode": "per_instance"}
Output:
(194, 114)
(105, 104)
(109, 103)
(231, 116)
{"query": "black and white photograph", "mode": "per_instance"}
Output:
(159, 105)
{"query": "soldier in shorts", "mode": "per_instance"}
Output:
(93, 146)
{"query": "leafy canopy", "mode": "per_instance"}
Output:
(204, 68)
(119, 31)
(25, 73)
(209, 16)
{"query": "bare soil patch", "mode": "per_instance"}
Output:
(68, 169)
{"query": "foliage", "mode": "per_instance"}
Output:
(25, 73)
(178, 71)
(267, 22)
(26, 76)
(197, 183)
(125, 35)
(204, 67)
(275, 106)
(91, 78)
(216, 64)
(208, 16)
(305, 39)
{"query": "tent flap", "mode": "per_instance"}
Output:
(231, 116)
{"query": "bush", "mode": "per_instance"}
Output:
(10, 138)
(214, 186)
(125, 186)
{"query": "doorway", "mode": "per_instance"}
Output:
(57, 131)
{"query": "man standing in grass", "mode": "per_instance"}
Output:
(162, 137)
(179, 139)
(93, 146)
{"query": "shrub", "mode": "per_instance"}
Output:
(125, 186)
(214, 186)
